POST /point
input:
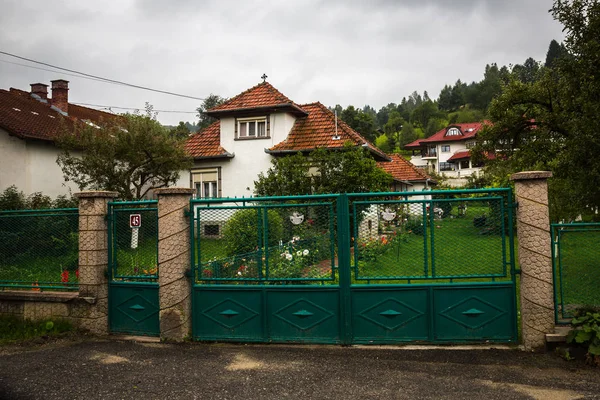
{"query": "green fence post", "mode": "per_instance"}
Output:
(343, 226)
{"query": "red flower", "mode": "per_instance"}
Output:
(311, 221)
(77, 273)
(207, 272)
(64, 277)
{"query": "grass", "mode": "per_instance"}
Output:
(459, 250)
(29, 270)
(141, 261)
(14, 329)
(578, 277)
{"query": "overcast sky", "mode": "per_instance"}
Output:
(334, 51)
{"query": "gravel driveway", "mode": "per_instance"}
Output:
(102, 369)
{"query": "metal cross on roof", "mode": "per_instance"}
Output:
(264, 77)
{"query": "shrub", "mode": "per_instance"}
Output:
(479, 222)
(242, 230)
(586, 332)
(414, 225)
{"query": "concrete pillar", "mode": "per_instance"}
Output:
(174, 260)
(533, 232)
(93, 260)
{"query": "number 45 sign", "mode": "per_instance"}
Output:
(135, 220)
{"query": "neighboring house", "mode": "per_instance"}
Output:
(29, 123)
(262, 123)
(447, 152)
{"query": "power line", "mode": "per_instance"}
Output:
(101, 78)
(134, 108)
(50, 70)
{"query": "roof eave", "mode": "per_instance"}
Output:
(289, 107)
(216, 157)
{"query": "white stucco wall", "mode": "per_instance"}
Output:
(31, 166)
(239, 173)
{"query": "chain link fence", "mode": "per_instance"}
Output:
(576, 262)
(253, 241)
(39, 249)
(447, 236)
(133, 234)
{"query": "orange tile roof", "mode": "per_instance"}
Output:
(403, 170)
(317, 130)
(207, 143)
(28, 118)
(263, 95)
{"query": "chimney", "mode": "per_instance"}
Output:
(60, 94)
(40, 89)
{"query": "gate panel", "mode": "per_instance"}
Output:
(229, 313)
(467, 313)
(390, 314)
(265, 269)
(433, 266)
(133, 268)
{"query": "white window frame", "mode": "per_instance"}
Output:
(247, 122)
(453, 132)
(445, 146)
(198, 183)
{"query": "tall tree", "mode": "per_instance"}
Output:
(130, 155)
(554, 52)
(211, 101)
(552, 123)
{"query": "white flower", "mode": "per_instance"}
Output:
(305, 252)
(240, 273)
(283, 255)
(289, 257)
(298, 253)
(295, 238)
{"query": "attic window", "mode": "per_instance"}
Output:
(453, 132)
(252, 128)
(52, 116)
(34, 113)
(16, 109)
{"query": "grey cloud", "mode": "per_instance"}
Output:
(334, 51)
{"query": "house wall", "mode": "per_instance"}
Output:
(239, 173)
(31, 166)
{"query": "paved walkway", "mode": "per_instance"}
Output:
(99, 369)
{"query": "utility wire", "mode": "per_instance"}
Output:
(134, 108)
(50, 70)
(101, 78)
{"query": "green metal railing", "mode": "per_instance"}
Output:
(454, 235)
(133, 250)
(275, 240)
(39, 249)
(576, 267)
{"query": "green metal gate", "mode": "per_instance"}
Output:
(133, 268)
(357, 268)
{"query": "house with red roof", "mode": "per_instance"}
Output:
(447, 152)
(261, 123)
(29, 124)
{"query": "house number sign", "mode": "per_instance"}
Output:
(135, 221)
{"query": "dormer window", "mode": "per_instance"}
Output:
(453, 132)
(252, 128)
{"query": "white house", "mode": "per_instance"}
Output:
(262, 123)
(447, 152)
(29, 122)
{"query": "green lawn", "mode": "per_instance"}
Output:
(454, 246)
(36, 270)
(579, 275)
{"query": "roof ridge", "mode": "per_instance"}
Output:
(272, 89)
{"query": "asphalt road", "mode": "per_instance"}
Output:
(102, 369)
